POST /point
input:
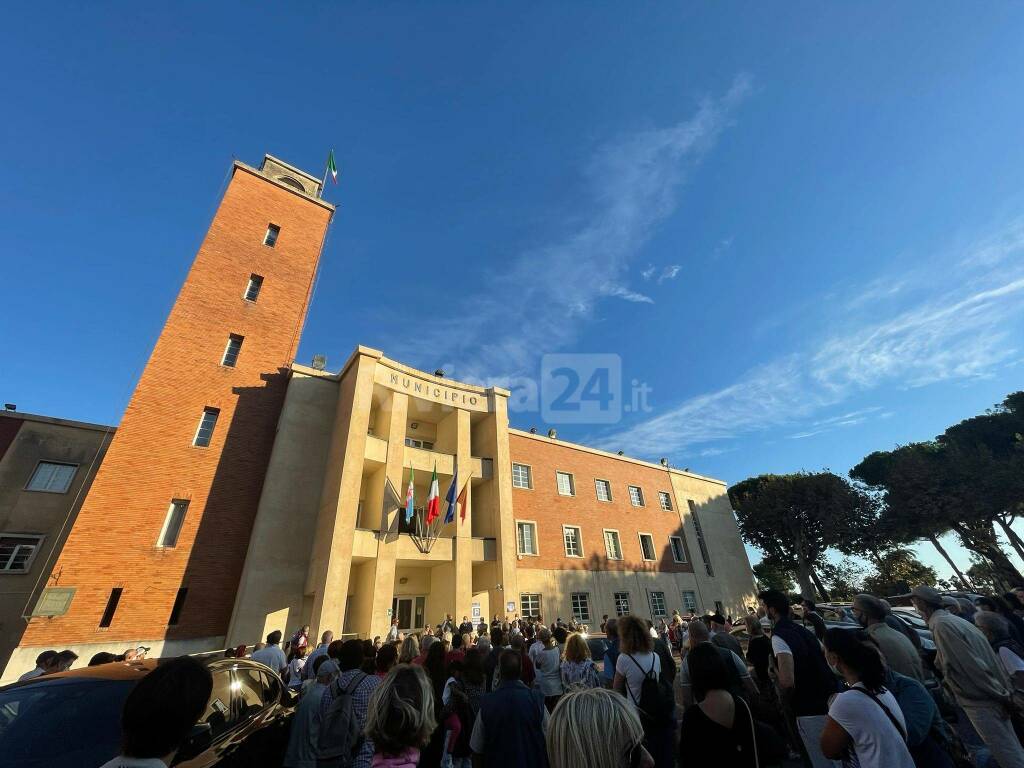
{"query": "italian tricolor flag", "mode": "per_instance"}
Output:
(433, 498)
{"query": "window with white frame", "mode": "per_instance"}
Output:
(231, 351)
(621, 603)
(566, 486)
(690, 602)
(17, 551)
(581, 606)
(529, 605)
(658, 604)
(612, 546)
(573, 541)
(172, 523)
(647, 546)
(636, 496)
(521, 476)
(252, 288)
(270, 238)
(207, 422)
(678, 550)
(665, 500)
(526, 535)
(604, 490)
(52, 477)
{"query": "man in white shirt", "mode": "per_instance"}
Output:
(46, 663)
(272, 655)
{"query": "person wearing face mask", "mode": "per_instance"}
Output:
(865, 726)
(899, 652)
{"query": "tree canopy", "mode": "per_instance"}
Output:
(796, 518)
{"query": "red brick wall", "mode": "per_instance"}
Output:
(151, 459)
(551, 511)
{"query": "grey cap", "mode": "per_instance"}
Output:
(930, 595)
(876, 605)
(329, 667)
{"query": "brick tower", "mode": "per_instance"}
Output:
(158, 547)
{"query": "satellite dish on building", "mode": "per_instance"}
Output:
(319, 362)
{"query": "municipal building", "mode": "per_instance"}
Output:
(243, 492)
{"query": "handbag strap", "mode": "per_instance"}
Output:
(892, 719)
(753, 730)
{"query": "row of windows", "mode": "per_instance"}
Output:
(56, 601)
(522, 477)
(572, 537)
(530, 604)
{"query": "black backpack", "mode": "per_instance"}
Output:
(657, 702)
(340, 737)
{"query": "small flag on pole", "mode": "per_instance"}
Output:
(453, 489)
(332, 168)
(409, 498)
(433, 499)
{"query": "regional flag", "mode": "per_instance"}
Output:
(433, 498)
(449, 516)
(408, 498)
(461, 501)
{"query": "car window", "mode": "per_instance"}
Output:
(250, 691)
(84, 713)
(218, 712)
(271, 688)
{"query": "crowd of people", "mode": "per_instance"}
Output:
(866, 692)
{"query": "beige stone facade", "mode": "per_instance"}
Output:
(330, 548)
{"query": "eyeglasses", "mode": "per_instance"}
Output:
(633, 755)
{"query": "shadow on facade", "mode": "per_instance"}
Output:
(214, 569)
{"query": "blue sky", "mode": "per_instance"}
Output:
(801, 229)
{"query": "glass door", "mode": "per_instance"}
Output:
(409, 612)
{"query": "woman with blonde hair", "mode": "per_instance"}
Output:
(578, 669)
(596, 728)
(400, 717)
(410, 650)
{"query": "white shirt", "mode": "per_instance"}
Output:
(536, 647)
(781, 646)
(272, 656)
(876, 741)
(1011, 661)
(295, 667)
(31, 674)
(635, 673)
(549, 671)
(135, 762)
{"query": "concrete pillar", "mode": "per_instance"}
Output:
(505, 527)
(387, 540)
(331, 565)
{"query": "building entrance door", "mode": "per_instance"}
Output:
(409, 612)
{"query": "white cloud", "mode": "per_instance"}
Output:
(648, 273)
(547, 293)
(624, 293)
(962, 333)
(669, 273)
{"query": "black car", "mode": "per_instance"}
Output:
(73, 719)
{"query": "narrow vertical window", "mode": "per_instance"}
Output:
(636, 496)
(206, 424)
(270, 239)
(252, 288)
(172, 523)
(566, 486)
(665, 500)
(111, 609)
(231, 351)
(701, 543)
(179, 603)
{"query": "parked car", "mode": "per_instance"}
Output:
(73, 719)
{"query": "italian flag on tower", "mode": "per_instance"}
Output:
(433, 498)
